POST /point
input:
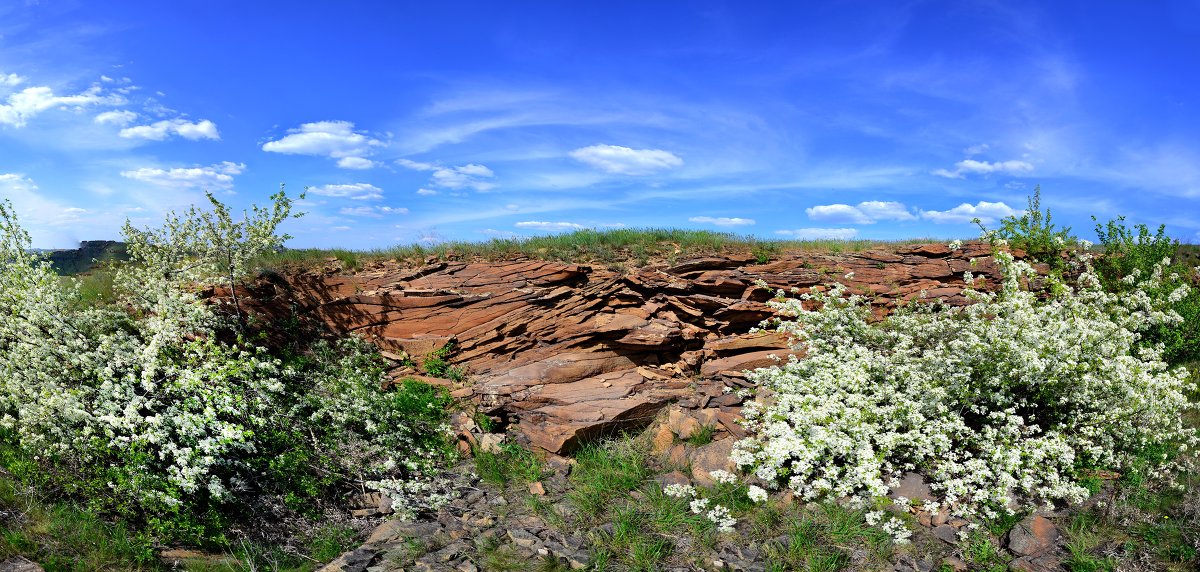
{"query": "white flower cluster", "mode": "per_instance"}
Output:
(144, 392)
(999, 401)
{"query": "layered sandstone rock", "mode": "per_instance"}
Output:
(569, 352)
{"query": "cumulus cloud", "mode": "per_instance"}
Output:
(333, 139)
(355, 163)
(550, 226)
(23, 105)
(373, 212)
(471, 176)
(819, 233)
(626, 161)
(354, 191)
(218, 176)
(161, 130)
(426, 192)
(120, 118)
(986, 212)
(866, 212)
(838, 213)
(11, 80)
(973, 167)
(723, 220)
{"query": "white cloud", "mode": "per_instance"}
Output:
(22, 106)
(626, 161)
(415, 165)
(971, 166)
(819, 233)
(983, 210)
(333, 139)
(355, 163)
(838, 213)
(469, 176)
(48, 221)
(885, 210)
(976, 149)
(426, 192)
(355, 191)
(119, 118)
(373, 212)
(549, 226)
(11, 80)
(866, 212)
(723, 221)
(160, 130)
(340, 228)
(499, 233)
(218, 176)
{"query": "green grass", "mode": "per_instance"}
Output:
(632, 524)
(61, 536)
(511, 464)
(606, 471)
(818, 537)
(1084, 533)
(636, 246)
(702, 436)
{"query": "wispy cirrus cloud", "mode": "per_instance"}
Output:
(218, 176)
(973, 167)
(119, 118)
(722, 220)
(819, 233)
(626, 161)
(549, 226)
(49, 221)
(353, 191)
(471, 176)
(21, 107)
(372, 212)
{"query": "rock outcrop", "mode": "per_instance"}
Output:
(569, 353)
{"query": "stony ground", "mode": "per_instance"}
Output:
(605, 510)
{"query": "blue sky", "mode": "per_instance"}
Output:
(426, 121)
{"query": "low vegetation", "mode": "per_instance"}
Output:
(636, 247)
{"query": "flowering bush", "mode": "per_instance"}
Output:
(1001, 403)
(143, 411)
(1128, 254)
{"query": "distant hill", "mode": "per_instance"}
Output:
(90, 254)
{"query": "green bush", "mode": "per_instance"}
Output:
(1135, 252)
(1034, 233)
